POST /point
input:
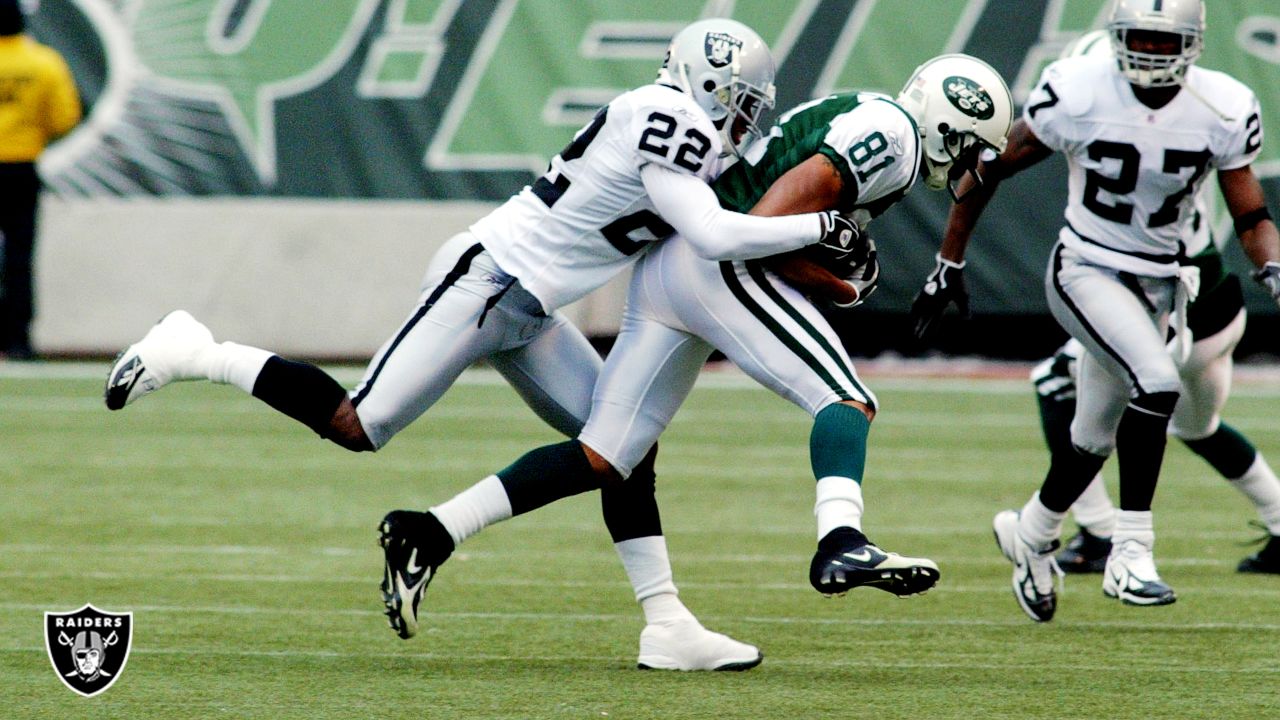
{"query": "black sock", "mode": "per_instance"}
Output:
(1229, 452)
(630, 508)
(1140, 443)
(1070, 472)
(302, 391)
(842, 538)
(547, 474)
(436, 540)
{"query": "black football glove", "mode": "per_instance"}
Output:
(1269, 278)
(864, 278)
(841, 242)
(944, 286)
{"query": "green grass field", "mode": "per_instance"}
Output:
(245, 548)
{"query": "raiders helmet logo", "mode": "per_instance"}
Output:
(721, 48)
(88, 647)
(969, 97)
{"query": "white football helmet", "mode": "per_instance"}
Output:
(1184, 18)
(728, 70)
(962, 107)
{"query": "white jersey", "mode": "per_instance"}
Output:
(584, 220)
(1134, 170)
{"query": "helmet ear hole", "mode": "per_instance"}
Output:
(708, 86)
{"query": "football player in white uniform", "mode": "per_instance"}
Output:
(635, 174)
(859, 152)
(1216, 321)
(1139, 130)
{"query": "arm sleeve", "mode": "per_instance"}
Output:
(689, 205)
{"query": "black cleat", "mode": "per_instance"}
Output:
(411, 562)
(1266, 560)
(846, 559)
(1085, 553)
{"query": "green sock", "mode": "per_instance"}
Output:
(1229, 452)
(838, 442)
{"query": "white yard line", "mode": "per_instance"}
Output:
(1015, 620)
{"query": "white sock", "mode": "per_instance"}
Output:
(838, 504)
(1260, 485)
(1039, 525)
(235, 364)
(474, 509)
(1093, 509)
(1134, 525)
(649, 569)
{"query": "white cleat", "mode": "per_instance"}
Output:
(1132, 578)
(686, 645)
(1034, 568)
(169, 352)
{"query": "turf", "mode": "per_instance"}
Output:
(244, 545)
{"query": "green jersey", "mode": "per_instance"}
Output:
(870, 139)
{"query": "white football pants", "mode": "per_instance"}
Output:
(680, 307)
(1206, 382)
(1206, 379)
(1122, 321)
(457, 322)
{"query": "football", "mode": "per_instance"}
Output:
(843, 264)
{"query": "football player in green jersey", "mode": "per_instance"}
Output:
(858, 153)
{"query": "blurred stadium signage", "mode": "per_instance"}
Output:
(445, 99)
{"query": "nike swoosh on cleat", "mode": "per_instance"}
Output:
(412, 567)
(411, 590)
(123, 384)
(863, 555)
(137, 375)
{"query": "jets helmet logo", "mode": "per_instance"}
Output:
(88, 647)
(722, 48)
(969, 97)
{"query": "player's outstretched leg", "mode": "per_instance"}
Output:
(1034, 567)
(846, 559)
(415, 545)
(1237, 460)
(1054, 379)
(172, 350)
(672, 638)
